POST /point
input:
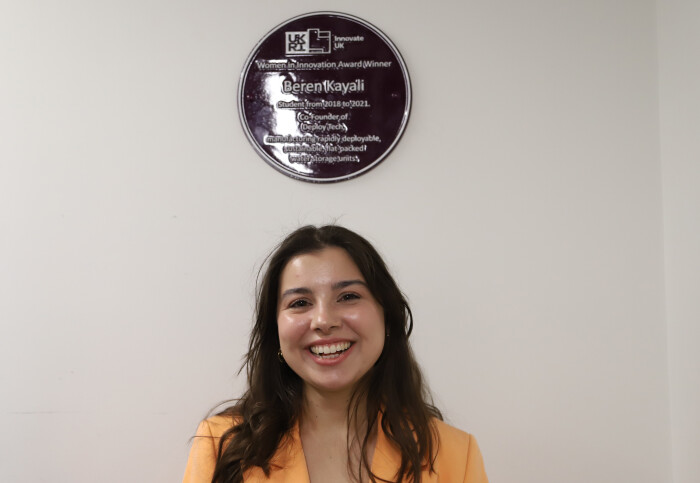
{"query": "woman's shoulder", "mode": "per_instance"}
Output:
(451, 434)
(458, 451)
(205, 447)
(216, 426)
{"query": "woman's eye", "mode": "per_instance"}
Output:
(299, 303)
(349, 296)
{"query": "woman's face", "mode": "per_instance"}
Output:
(331, 328)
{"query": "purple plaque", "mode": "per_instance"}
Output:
(324, 97)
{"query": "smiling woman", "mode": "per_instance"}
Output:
(331, 328)
(334, 392)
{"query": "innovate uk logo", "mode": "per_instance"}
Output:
(308, 42)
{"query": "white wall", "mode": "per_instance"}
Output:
(679, 76)
(521, 213)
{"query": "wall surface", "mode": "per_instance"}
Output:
(521, 213)
(679, 78)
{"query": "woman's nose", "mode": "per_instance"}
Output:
(324, 318)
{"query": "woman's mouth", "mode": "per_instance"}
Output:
(330, 351)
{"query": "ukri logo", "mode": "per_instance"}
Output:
(308, 42)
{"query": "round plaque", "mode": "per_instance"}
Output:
(324, 97)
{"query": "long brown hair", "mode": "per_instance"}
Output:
(393, 387)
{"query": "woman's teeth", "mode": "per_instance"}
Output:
(330, 350)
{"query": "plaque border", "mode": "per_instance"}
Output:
(271, 160)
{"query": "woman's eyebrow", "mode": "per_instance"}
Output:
(334, 286)
(296, 291)
(347, 283)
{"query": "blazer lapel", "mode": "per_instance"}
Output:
(288, 464)
(386, 459)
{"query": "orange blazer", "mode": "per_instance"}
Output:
(458, 459)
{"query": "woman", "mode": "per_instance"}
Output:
(335, 394)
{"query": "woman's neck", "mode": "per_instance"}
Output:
(333, 445)
(329, 411)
